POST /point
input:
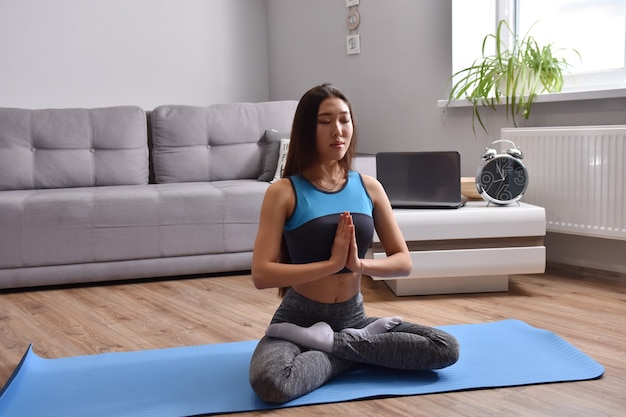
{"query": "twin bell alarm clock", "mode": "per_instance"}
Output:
(502, 177)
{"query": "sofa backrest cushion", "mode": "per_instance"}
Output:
(59, 148)
(213, 143)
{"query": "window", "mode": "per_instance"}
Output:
(595, 28)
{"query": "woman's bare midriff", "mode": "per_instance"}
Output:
(331, 289)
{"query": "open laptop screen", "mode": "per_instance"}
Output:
(421, 179)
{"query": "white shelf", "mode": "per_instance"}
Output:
(473, 221)
(475, 262)
(483, 267)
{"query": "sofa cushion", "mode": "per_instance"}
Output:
(108, 224)
(282, 159)
(242, 204)
(214, 143)
(271, 140)
(60, 148)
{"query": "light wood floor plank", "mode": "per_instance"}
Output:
(588, 312)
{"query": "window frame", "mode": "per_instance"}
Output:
(578, 86)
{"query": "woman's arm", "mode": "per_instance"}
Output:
(267, 271)
(398, 261)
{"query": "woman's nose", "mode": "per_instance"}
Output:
(337, 131)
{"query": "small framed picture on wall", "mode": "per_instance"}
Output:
(353, 44)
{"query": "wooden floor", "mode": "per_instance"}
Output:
(588, 312)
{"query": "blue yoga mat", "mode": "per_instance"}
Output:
(213, 379)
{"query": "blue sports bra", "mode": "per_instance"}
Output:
(310, 231)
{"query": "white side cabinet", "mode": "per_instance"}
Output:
(470, 249)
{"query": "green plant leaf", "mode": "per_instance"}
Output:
(511, 76)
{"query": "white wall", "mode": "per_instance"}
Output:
(90, 53)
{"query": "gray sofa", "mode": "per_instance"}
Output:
(115, 193)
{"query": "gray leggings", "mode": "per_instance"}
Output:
(281, 370)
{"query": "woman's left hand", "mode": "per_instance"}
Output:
(353, 263)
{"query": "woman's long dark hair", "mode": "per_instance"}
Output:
(303, 145)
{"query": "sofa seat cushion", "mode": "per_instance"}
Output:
(100, 224)
(214, 143)
(59, 148)
(242, 201)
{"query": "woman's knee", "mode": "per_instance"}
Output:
(270, 389)
(269, 376)
(451, 350)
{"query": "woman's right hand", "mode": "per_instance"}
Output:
(343, 239)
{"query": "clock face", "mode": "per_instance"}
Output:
(502, 179)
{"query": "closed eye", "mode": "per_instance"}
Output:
(327, 121)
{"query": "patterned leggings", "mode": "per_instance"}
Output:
(281, 370)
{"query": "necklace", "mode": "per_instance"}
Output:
(334, 185)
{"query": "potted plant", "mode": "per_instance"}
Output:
(512, 76)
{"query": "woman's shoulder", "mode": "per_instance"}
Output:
(282, 185)
(373, 186)
(280, 194)
(368, 180)
(280, 190)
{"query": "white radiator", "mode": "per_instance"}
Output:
(577, 174)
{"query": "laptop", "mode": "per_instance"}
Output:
(421, 179)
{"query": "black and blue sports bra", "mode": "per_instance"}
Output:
(310, 231)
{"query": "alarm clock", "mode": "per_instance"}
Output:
(502, 178)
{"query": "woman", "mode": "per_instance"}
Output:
(315, 227)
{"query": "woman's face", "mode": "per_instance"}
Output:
(334, 129)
